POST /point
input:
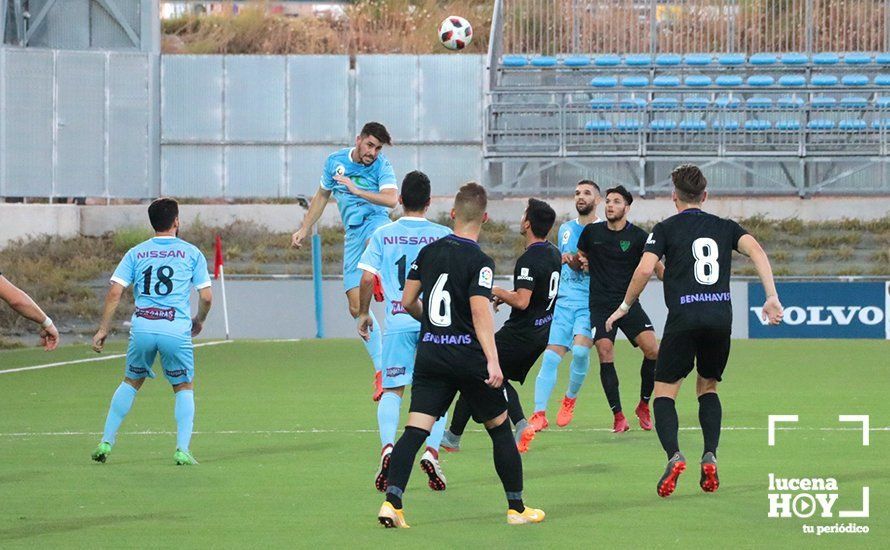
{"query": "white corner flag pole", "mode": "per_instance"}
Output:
(222, 282)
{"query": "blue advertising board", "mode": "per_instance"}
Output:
(824, 310)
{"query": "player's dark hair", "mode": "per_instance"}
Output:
(162, 213)
(470, 202)
(540, 216)
(592, 184)
(378, 131)
(415, 191)
(628, 198)
(689, 183)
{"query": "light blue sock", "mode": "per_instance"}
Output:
(374, 345)
(546, 379)
(184, 411)
(121, 403)
(435, 437)
(388, 417)
(578, 372)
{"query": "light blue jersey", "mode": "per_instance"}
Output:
(390, 252)
(376, 177)
(574, 286)
(163, 271)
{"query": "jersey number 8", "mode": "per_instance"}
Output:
(705, 252)
(440, 303)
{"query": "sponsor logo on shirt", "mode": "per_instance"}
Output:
(160, 254)
(156, 313)
(395, 371)
(413, 239)
(650, 239)
(447, 339)
(705, 297)
(397, 307)
(545, 320)
(486, 276)
(524, 275)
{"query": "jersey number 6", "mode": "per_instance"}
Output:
(440, 303)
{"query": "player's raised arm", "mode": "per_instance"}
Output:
(388, 197)
(772, 308)
(316, 208)
(112, 299)
(638, 282)
(19, 301)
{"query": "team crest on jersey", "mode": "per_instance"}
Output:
(486, 277)
(624, 245)
(340, 170)
(565, 237)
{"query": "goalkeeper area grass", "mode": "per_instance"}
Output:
(286, 437)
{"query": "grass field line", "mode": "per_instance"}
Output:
(97, 358)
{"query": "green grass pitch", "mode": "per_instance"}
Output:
(286, 437)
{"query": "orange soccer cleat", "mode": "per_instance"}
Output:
(378, 386)
(620, 424)
(525, 439)
(566, 411)
(538, 421)
(642, 412)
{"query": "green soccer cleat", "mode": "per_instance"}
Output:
(102, 451)
(184, 458)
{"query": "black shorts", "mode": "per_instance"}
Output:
(708, 348)
(435, 385)
(517, 353)
(632, 324)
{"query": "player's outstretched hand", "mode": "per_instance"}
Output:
(346, 182)
(99, 340)
(365, 326)
(773, 310)
(49, 338)
(296, 240)
(495, 376)
(197, 326)
(610, 322)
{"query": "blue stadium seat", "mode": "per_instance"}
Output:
(637, 60)
(881, 124)
(823, 80)
(731, 59)
(789, 102)
(635, 81)
(632, 103)
(792, 80)
(698, 102)
(697, 59)
(883, 58)
(725, 102)
(598, 126)
(544, 61)
(697, 80)
(854, 80)
(667, 60)
(514, 61)
(608, 60)
(760, 80)
(852, 124)
(883, 102)
(882, 80)
(788, 125)
(693, 125)
(576, 61)
(666, 81)
(826, 58)
(763, 59)
(823, 102)
(602, 103)
(663, 125)
(726, 125)
(604, 82)
(759, 102)
(663, 103)
(754, 125)
(629, 125)
(857, 58)
(854, 102)
(794, 58)
(729, 80)
(820, 124)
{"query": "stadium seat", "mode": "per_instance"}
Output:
(576, 61)
(852, 124)
(693, 125)
(788, 125)
(854, 102)
(857, 58)
(820, 124)
(666, 81)
(759, 102)
(882, 80)
(544, 61)
(629, 125)
(697, 59)
(604, 82)
(608, 60)
(697, 80)
(881, 124)
(883, 102)
(667, 60)
(854, 80)
(632, 104)
(755, 125)
(729, 80)
(726, 125)
(602, 103)
(635, 81)
(663, 103)
(789, 102)
(725, 102)
(697, 102)
(731, 59)
(637, 60)
(883, 59)
(823, 80)
(663, 125)
(826, 58)
(823, 102)
(514, 61)
(794, 59)
(792, 80)
(760, 80)
(763, 59)
(598, 126)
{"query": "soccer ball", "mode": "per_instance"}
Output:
(455, 32)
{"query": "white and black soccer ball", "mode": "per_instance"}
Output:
(455, 32)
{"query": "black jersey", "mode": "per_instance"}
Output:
(697, 249)
(536, 270)
(450, 271)
(613, 257)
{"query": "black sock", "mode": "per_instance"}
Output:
(710, 413)
(647, 379)
(609, 378)
(508, 464)
(666, 424)
(514, 405)
(460, 416)
(401, 462)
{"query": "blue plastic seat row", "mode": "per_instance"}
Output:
(735, 81)
(724, 102)
(694, 60)
(751, 125)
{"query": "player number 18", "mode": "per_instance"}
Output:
(705, 252)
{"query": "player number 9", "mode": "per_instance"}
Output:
(554, 289)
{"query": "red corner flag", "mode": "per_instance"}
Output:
(218, 260)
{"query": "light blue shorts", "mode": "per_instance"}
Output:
(569, 320)
(398, 358)
(354, 242)
(177, 356)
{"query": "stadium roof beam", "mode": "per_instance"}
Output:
(114, 11)
(38, 21)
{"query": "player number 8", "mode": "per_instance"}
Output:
(440, 303)
(705, 252)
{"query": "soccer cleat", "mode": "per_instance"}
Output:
(642, 412)
(429, 463)
(383, 470)
(620, 424)
(538, 421)
(566, 411)
(450, 442)
(709, 481)
(668, 481)
(390, 518)
(102, 451)
(529, 515)
(525, 439)
(184, 458)
(378, 386)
